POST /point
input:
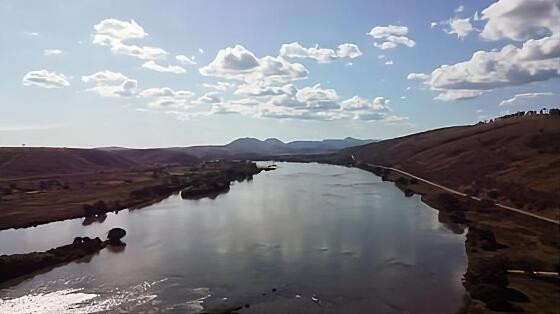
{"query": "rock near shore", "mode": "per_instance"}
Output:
(115, 235)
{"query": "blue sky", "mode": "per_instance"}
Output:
(179, 73)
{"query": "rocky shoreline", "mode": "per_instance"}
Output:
(205, 180)
(486, 278)
(220, 182)
(18, 265)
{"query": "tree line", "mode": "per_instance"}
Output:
(544, 111)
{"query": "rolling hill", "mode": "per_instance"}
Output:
(156, 156)
(516, 160)
(40, 161)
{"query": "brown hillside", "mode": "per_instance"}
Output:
(39, 161)
(519, 158)
(157, 156)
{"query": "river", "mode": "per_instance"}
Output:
(305, 238)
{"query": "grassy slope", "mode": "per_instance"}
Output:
(21, 162)
(41, 161)
(519, 158)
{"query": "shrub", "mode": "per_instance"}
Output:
(486, 203)
(97, 208)
(402, 181)
(493, 194)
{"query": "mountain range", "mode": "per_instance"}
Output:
(248, 146)
(38, 161)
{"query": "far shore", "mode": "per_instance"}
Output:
(40, 200)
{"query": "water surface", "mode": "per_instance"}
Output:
(326, 239)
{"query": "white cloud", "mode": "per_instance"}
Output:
(117, 30)
(277, 69)
(113, 33)
(389, 62)
(321, 55)
(357, 103)
(111, 84)
(391, 36)
(520, 19)
(260, 89)
(45, 79)
(168, 102)
(394, 41)
(459, 9)
(475, 16)
(231, 62)
(460, 27)
(381, 57)
(295, 50)
(52, 52)
(201, 51)
(347, 50)
(220, 86)
(315, 93)
(185, 60)
(152, 65)
(392, 119)
(34, 34)
(418, 76)
(385, 45)
(241, 64)
(389, 30)
(513, 100)
(433, 24)
(165, 97)
(308, 103)
(457, 94)
(165, 92)
(209, 98)
(535, 60)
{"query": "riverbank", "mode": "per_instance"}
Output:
(40, 200)
(17, 266)
(497, 240)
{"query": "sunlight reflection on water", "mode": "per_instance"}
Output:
(141, 298)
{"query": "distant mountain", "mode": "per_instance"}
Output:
(273, 146)
(253, 145)
(249, 147)
(32, 161)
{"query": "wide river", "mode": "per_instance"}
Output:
(305, 238)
